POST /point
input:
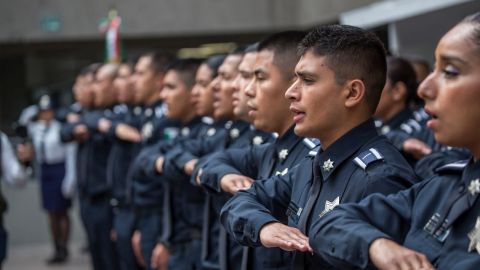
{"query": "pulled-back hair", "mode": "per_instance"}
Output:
(352, 53)
(474, 20)
(400, 70)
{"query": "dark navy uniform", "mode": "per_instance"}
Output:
(394, 123)
(258, 162)
(214, 238)
(189, 200)
(426, 167)
(439, 217)
(356, 165)
(148, 187)
(415, 127)
(121, 156)
(94, 190)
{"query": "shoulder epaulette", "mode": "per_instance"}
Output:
(311, 143)
(367, 157)
(455, 167)
(160, 111)
(207, 120)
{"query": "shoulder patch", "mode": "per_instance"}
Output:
(455, 167)
(311, 143)
(367, 157)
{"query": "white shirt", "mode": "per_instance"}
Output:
(12, 171)
(47, 143)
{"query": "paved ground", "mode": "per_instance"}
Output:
(32, 257)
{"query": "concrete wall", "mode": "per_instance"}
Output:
(21, 20)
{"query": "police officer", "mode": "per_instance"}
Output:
(340, 76)
(400, 88)
(126, 118)
(435, 224)
(187, 199)
(93, 151)
(272, 74)
(148, 186)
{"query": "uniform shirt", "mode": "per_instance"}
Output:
(356, 165)
(394, 123)
(188, 200)
(126, 160)
(122, 152)
(258, 162)
(92, 154)
(49, 149)
(415, 127)
(427, 166)
(439, 217)
(147, 187)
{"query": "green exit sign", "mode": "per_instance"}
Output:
(50, 24)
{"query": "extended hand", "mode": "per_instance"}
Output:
(387, 255)
(127, 133)
(25, 152)
(189, 166)
(104, 125)
(416, 148)
(276, 234)
(81, 133)
(160, 257)
(159, 164)
(137, 249)
(234, 182)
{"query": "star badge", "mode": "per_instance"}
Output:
(234, 133)
(327, 165)
(211, 132)
(330, 205)
(283, 154)
(474, 187)
(385, 130)
(257, 140)
(474, 237)
(185, 131)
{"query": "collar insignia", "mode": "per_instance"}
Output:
(327, 165)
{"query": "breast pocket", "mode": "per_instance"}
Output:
(293, 213)
(425, 243)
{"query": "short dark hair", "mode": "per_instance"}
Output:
(252, 48)
(160, 60)
(90, 69)
(239, 50)
(214, 62)
(352, 53)
(284, 46)
(400, 70)
(186, 68)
